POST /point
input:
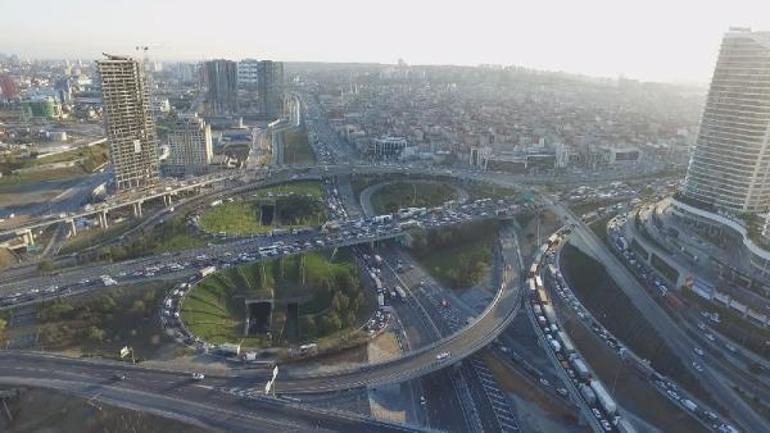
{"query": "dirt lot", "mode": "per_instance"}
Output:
(6, 258)
(45, 411)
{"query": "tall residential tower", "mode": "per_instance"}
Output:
(129, 123)
(221, 78)
(730, 167)
(270, 77)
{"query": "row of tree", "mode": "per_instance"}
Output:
(146, 243)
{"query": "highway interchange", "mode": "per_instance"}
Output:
(229, 402)
(678, 340)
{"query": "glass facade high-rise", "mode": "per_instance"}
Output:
(221, 77)
(130, 127)
(270, 77)
(729, 169)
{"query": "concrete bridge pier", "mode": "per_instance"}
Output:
(137, 209)
(167, 200)
(103, 223)
(73, 228)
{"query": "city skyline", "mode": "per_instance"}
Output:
(661, 42)
(390, 217)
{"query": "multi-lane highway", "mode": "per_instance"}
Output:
(716, 381)
(227, 403)
(340, 234)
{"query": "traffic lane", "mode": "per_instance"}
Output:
(414, 325)
(152, 391)
(214, 414)
(430, 293)
(444, 410)
(248, 245)
(442, 405)
(486, 413)
(440, 389)
(676, 338)
(375, 231)
(679, 341)
(687, 335)
(92, 381)
(732, 362)
(102, 369)
(477, 335)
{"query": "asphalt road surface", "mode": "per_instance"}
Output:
(230, 404)
(679, 342)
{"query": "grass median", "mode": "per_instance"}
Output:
(297, 149)
(296, 204)
(458, 257)
(402, 194)
(102, 323)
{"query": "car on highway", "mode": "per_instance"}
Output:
(443, 356)
(119, 376)
(198, 376)
(698, 351)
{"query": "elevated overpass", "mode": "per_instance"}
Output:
(313, 239)
(477, 334)
(252, 178)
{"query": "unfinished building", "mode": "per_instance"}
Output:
(129, 124)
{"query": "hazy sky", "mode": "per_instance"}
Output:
(670, 40)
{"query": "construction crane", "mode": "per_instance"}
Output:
(143, 49)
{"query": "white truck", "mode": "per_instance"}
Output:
(401, 292)
(604, 398)
(580, 368)
(383, 219)
(689, 404)
(108, 281)
(208, 270)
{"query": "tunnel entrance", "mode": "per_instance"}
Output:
(259, 317)
(267, 214)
